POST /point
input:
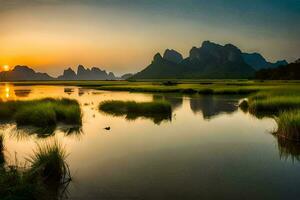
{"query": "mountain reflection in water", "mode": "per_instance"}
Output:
(213, 105)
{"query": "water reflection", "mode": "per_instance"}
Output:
(175, 100)
(160, 158)
(288, 149)
(81, 91)
(25, 132)
(157, 118)
(6, 92)
(2, 158)
(22, 92)
(71, 130)
(68, 91)
(212, 105)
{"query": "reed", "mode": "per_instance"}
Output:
(47, 174)
(289, 125)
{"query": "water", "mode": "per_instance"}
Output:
(208, 150)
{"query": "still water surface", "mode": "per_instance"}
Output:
(208, 150)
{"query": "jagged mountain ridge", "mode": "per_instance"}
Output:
(208, 61)
(211, 60)
(25, 73)
(86, 74)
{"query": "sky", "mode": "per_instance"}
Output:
(123, 35)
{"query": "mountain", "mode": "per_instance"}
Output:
(284, 72)
(68, 74)
(126, 76)
(208, 61)
(257, 61)
(23, 73)
(86, 74)
(159, 68)
(173, 56)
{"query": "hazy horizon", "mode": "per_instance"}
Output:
(122, 36)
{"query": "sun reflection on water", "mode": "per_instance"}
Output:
(6, 92)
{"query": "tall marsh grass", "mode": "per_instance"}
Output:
(283, 105)
(42, 179)
(42, 113)
(48, 161)
(289, 125)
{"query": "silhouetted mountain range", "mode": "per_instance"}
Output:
(284, 72)
(211, 60)
(257, 61)
(208, 61)
(126, 76)
(23, 73)
(86, 74)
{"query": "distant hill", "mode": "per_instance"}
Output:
(209, 61)
(23, 73)
(284, 72)
(126, 76)
(257, 61)
(86, 74)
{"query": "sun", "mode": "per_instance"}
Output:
(5, 67)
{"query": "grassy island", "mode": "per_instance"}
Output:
(156, 110)
(42, 113)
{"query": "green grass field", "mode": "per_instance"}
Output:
(179, 86)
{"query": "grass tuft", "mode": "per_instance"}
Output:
(289, 125)
(48, 162)
(157, 110)
(42, 113)
(44, 179)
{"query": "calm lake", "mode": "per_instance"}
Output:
(210, 149)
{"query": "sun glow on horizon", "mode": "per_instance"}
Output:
(5, 68)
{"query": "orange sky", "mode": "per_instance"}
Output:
(52, 37)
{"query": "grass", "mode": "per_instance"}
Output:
(42, 113)
(48, 162)
(274, 101)
(289, 125)
(288, 149)
(157, 110)
(177, 86)
(41, 180)
(283, 105)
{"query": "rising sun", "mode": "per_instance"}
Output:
(5, 67)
